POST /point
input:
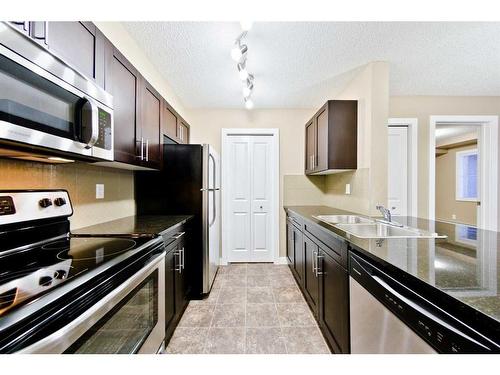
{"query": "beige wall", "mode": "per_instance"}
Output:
(446, 204)
(369, 183)
(207, 125)
(79, 180)
(422, 107)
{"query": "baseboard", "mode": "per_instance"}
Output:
(222, 262)
(281, 260)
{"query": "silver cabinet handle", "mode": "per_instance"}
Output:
(318, 272)
(142, 149)
(179, 235)
(314, 262)
(183, 258)
(147, 149)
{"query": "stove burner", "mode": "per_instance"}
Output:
(97, 249)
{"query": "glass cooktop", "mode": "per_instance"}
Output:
(28, 274)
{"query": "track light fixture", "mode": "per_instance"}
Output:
(239, 54)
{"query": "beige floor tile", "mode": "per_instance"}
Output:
(262, 315)
(188, 340)
(295, 315)
(280, 280)
(259, 280)
(264, 341)
(260, 268)
(211, 299)
(229, 315)
(232, 295)
(287, 294)
(304, 340)
(235, 280)
(260, 295)
(225, 341)
(197, 315)
(236, 269)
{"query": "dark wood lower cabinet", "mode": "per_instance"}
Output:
(324, 282)
(176, 281)
(311, 282)
(334, 306)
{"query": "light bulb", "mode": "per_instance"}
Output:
(248, 104)
(238, 52)
(246, 25)
(243, 72)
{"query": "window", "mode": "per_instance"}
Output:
(467, 178)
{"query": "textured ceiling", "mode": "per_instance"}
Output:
(295, 63)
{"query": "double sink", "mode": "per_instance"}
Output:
(363, 227)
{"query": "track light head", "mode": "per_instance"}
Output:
(248, 103)
(239, 52)
(248, 88)
(243, 73)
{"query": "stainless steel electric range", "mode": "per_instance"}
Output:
(63, 293)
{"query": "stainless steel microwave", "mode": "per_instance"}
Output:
(47, 105)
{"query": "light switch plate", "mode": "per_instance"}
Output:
(99, 191)
(348, 189)
(454, 217)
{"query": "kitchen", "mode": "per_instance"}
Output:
(147, 206)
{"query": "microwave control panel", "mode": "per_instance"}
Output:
(105, 130)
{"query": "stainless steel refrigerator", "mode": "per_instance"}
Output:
(189, 184)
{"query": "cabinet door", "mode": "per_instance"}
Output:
(180, 280)
(122, 81)
(334, 309)
(311, 283)
(310, 146)
(150, 125)
(80, 44)
(169, 121)
(290, 253)
(298, 252)
(169, 292)
(183, 134)
(321, 157)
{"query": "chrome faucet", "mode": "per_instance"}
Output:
(386, 213)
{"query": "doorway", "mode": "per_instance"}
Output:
(463, 150)
(402, 167)
(250, 195)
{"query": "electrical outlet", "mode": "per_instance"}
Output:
(454, 217)
(348, 189)
(99, 191)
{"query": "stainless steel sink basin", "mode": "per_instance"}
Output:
(344, 219)
(379, 230)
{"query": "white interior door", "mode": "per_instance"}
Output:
(397, 188)
(249, 178)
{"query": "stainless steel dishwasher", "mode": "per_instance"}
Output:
(387, 316)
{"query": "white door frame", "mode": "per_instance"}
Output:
(412, 124)
(488, 145)
(275, 162)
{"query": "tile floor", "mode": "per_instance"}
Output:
(253, 308)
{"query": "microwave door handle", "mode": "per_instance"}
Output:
(94, 123)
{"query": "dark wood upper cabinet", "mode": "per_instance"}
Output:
(80, 44)
(332, 138)
(169, 121)
(122, 81)
(183, 132)
(150, 125)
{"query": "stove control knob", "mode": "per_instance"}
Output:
(45, 281)
(60, 201)
(45, 202)
(60, 274)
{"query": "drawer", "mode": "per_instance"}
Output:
(295, 219)
(333, 244)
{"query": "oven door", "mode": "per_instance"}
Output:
(130, 319)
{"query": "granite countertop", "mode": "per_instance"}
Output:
(465, 265)
(146, 224)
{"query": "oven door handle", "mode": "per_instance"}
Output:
(62, 339)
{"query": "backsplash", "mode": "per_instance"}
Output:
(80, 180)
